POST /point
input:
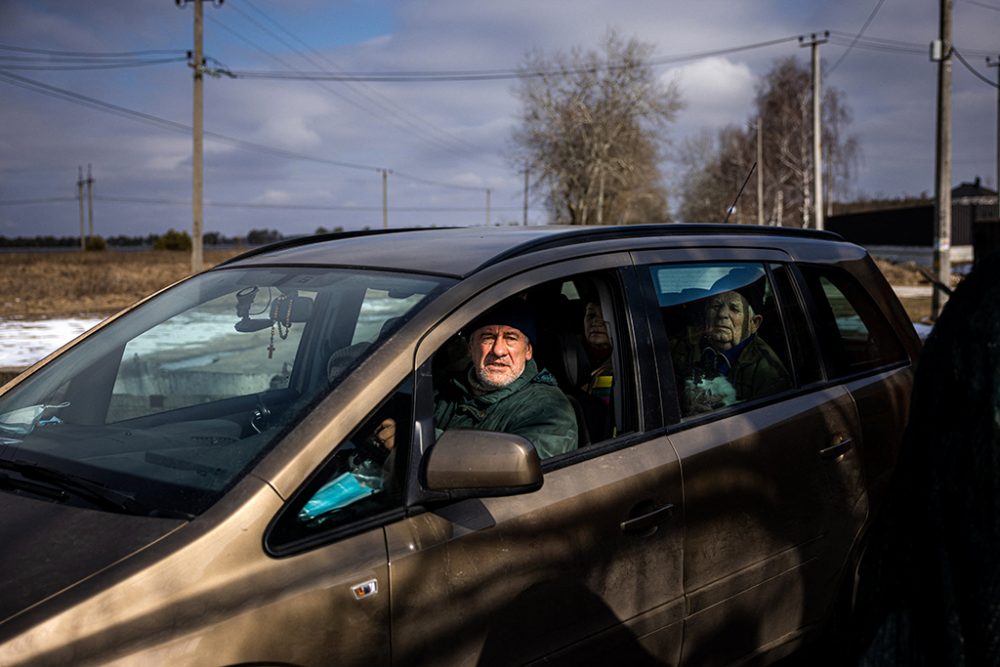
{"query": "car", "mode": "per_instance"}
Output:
(199, 479)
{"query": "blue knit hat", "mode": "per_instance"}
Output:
(513, 312)
(748, 281)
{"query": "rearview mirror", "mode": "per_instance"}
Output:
(467, 464)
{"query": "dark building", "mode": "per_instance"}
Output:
(907, 234)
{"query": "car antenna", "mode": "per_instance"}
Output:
(732, 207)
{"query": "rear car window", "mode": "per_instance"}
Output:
(726, 341)
(853, 333)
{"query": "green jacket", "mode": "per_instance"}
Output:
(756, 372)
(531, 406)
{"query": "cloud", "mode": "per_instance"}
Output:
(716, 90)
(275, 197)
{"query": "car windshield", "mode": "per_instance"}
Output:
(172, 403)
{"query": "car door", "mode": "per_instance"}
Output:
(865, 350)
(773, 487)
(586, 568)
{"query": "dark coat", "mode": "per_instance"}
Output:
(531, 406)
(931, 578)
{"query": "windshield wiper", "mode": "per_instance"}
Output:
(67, 483)
(44, 490)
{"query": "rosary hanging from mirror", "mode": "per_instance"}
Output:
(281, 320)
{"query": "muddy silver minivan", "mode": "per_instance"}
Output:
(194, 481)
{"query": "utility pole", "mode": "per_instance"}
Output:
(488, 191)
(760, 175)
(525, 195)
(996, 63)
(79, 194)
(814, 42)
(385, 199)
(197, 178)
(941, 52)
(90, 203)
(197, 174)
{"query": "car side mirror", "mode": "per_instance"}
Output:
(469, 464)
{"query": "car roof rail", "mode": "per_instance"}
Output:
(309, 239)
(559, 237)
(597, 233)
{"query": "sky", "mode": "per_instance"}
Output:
(295, 155)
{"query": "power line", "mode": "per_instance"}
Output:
(871, 17)
(41, 200)
(297, 207)
(420, 76)
(92, 54)
(10, 63)
(393, 107)
(163, 123)
(427, 130)
(983, 4)
(93, 103)
(158, 201)
(879, 40)
(341, 96)
(893, 45)
(428, 181)
(972, 69)
(884, 46)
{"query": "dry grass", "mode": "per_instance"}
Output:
(37, 285)
(905, 273)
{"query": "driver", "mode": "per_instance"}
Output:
(502, 388)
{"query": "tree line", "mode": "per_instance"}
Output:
(170, 240)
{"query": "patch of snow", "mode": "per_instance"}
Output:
(23, 342)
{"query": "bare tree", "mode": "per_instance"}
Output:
(592, 130)
(714, 166)
(784, 111)
(841, 153)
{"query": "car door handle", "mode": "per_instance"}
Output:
(838, 448)
(644, 522)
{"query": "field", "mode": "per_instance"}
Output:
(42, 285)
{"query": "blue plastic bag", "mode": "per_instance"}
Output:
(340, 492)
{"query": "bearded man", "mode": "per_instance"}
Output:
(503, 389)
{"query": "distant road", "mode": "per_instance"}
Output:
(912, 291)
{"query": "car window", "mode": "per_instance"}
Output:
(172, 403)
(381, 310)
(725, 337)
(802, 346)
(362, 477)
(853, 333)
(583, 343)
(578, 346)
